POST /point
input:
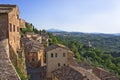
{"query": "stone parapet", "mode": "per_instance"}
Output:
(7, 70)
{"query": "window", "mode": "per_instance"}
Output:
(55, 54)
(58, 64)
(33, 59)
(14, 39)
(18, 29)
(51, 54)
(63, 54)
(14, 28)
(10, 27)
(17, 16)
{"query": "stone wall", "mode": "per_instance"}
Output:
(14, 35)
(7, 70)
(22, 23)
(3, 26)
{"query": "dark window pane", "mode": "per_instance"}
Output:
(14, 28)
(64, 54)
(17, 29)
(58, 64)
(52, 55)
(55, 54)
(10, 27)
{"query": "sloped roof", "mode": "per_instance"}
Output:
(54, 46)
(85, 64)
(86, 73)
(68, 73)
(33, 46)
(103, 74)
(24, 40)
(32, 42)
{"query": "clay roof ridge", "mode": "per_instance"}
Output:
(53, 46)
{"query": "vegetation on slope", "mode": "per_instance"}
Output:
(105, 42)
(29, 28)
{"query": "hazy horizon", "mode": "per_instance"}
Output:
(90, 16)
(78, 31)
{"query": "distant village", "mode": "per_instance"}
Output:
(32, 51)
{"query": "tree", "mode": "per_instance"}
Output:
(78, 57)
(36, 31)
(43, 31)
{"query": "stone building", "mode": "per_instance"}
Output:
(34, 52)
(56, 57)
(10, 25)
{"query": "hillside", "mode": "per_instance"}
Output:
(105, 42)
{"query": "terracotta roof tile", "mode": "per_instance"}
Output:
(68, 73)
(33, 46)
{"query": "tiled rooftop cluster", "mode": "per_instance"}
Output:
(32, 45)
(7, 71)
(103, 74)
(68, 73)
(86, 73)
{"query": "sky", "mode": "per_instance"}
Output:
(100, 16)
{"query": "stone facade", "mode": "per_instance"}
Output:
(10, 28)
(34, 52)
(22, 23)
(56, 57)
